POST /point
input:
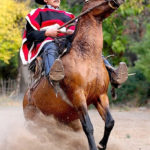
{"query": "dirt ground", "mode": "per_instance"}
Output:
(131, 131)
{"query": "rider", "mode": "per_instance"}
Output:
(41, 29)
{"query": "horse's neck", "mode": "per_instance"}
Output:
(89, 36)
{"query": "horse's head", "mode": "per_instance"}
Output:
(104, 7)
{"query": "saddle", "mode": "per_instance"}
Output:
(64, 44)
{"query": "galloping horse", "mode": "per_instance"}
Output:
(86, 78)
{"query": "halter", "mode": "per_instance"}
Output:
(113, 7)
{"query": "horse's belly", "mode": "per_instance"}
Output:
(44, 98)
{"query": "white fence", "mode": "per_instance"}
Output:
(8, 87)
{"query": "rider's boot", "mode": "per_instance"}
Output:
(57, 71)
(54, 70)
(117, 75)
(38, 67)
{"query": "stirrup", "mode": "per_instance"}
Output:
(57, 71)
(119, 75)
(38, 67)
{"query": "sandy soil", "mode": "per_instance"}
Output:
(131, 131)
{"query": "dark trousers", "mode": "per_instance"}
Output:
(108, 66)
(106, 62)
(50, 53)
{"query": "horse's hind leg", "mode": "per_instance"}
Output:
(102, 106)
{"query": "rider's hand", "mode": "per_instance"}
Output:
(52, 32)
(69, 31)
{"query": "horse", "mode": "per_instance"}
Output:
(86, 78)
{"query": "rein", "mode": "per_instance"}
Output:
(87, 11)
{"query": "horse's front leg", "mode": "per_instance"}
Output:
(81, 106)
(102, 106)
(87, 126)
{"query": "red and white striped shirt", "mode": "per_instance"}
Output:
(42, 19)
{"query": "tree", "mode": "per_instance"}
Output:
(11, 25)
(142, 49)
(115, 27)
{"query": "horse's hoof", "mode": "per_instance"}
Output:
(100, 147)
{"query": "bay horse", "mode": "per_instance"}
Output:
(86, 78)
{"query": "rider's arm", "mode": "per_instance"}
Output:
(33, 35)
(71, 28)
(69, 32)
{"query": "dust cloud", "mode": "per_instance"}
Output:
(131, 131)
(45, 134)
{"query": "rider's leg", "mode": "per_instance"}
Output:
(50, 53)
(117, 75)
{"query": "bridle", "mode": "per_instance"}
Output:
(113, 7)
(90, 9)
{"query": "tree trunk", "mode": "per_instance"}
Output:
(24, 76)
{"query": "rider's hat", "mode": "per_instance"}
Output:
(40, 2)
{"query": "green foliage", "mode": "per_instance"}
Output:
(135, 89)
(131, 8)
(122, 34)
(76, 9)
(11, 25)
(118, 46)
(142, 49)
(115, 41)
